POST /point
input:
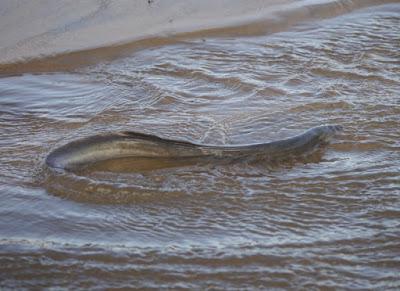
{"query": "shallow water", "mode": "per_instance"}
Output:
(328, 220)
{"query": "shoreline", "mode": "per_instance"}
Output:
(69, 45)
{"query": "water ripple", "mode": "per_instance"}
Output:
(325, 220)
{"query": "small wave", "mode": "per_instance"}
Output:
(359, 262)
(323, 106)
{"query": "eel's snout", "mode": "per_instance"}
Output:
(53, 160)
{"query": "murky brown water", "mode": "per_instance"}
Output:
(330, 220)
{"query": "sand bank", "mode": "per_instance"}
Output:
(36, 30)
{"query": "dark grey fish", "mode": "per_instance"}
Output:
(86, 151)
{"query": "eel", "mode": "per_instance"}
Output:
(127, 144)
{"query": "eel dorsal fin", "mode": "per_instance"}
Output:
(151, 137)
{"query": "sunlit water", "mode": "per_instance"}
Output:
(329, 220)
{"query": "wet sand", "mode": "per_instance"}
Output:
(61, 35)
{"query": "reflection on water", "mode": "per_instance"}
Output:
(330, 219)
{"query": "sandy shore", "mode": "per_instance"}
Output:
(36, 29)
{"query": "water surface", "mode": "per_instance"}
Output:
(328, 220)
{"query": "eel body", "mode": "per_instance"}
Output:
(127, 144)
